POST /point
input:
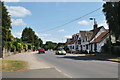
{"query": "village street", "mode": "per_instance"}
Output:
(49, 65)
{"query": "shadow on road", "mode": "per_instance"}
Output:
(88, 57)
(79, 58)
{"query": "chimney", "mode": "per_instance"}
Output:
(95, 26)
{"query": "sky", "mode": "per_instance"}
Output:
(46, 18)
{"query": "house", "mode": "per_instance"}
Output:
(72, 43)
(99, 37)
(85, 37)
(92, 40)
(98, 42)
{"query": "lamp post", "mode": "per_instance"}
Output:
(95, 26)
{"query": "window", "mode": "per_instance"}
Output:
(79, 41)
(77, 47)
(73, 47)
(86, 46)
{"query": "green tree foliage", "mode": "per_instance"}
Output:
(60, 45)
(6, 26)
(29, 36)
(50, 45)
(112, 13)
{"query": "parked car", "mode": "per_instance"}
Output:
(60, 51)
(41, 51)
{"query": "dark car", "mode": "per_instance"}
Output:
(41, 51)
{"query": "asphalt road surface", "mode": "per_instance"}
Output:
(80, 67)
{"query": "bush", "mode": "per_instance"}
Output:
(105, 48)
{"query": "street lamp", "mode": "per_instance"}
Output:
(95, 22)
(95, 26)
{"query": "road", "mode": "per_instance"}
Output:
(80, 67)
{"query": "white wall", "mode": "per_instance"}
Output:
(101, 31)
(72, 47)
(99, 48)
(99, 45)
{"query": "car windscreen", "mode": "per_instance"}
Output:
(40, 49)
(60, 49)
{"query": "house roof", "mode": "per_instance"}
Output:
(95, 31)
(75, 34)
(73, 41)
(86, 33)
(100, 37)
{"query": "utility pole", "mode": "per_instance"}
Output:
(95, 26)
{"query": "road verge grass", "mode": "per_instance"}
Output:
(105, 57)
(13, 65)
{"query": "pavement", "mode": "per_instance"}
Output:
(29, 57)
(37, 69)
(35, 73)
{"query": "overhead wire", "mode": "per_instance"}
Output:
(71, 20)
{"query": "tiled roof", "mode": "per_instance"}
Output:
(72, 42)
(100, 37)
(86, 33)
(95, 31)
(75, 34)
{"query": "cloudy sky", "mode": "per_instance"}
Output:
(46, 18)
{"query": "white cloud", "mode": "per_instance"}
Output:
(11, 0)
(68, 36)
(42, 35)
(62, 30)
(56, 40)
(18, 11)
(83, 22)
(18, 22)
(17, 34)
(104, 24)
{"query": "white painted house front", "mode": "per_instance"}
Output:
(92, 40)
(73, 43)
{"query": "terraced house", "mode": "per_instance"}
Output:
(92, 40)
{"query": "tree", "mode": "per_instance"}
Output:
(29, 36)
(50, 45)
(60, 45)
(6, 26)
(112, 12)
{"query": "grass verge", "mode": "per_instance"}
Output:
(13, 65)
(106, 57)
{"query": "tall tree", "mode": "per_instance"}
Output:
(6, 26)
(112, 13)
(28, 35)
